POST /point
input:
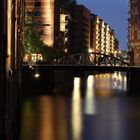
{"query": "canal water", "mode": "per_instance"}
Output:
(83, 106)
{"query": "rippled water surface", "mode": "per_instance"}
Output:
(94, 107)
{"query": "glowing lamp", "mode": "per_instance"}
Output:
(37, 75)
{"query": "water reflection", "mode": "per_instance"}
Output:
(90, 104)
(79, 116)
(28, 123)
(109, 83)
(76, 110)
(45, 108)
(119, 81)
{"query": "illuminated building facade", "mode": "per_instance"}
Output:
(107, 39)
(102, 36)
(43, 12)
(134, 31)
(95, 23)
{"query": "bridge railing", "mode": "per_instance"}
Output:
(92, 58)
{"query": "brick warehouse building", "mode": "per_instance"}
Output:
(43, 12)
(134, 31)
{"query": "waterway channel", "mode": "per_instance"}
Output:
(80, 107)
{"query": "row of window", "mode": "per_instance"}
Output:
(36, 4)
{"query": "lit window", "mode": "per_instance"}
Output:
(34, 57)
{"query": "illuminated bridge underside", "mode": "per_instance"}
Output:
(95, 59)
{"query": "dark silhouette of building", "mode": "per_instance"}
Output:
(61, 22)
(2, 64)
(11, 36)
(92, 29)
(80, 29)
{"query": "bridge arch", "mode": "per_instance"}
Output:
(91, 58)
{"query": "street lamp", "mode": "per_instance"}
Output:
(65, 50)
(37, 75)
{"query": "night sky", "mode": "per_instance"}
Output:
(113, 12)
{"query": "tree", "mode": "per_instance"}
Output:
(34, 43)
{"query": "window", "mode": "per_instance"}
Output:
(37, 4)
(38, 23)
(37, 13)
(41, 32)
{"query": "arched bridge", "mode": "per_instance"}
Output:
(92, 58)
